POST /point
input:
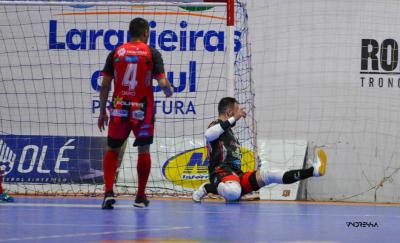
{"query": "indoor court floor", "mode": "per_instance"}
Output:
(75, 220)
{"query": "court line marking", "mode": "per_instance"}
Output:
(195, 211)
(62, 205)
(219, 201)
(94, 233)
(63, 225)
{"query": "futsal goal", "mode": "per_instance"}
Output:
(51, 55)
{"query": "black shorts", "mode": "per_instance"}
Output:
(247, 180)
(223, 173)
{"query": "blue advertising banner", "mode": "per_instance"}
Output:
(52, 159)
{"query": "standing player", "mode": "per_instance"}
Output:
(226, 177)
(4, 197)
(132, 66)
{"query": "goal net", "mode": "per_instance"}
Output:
(330, 76)
(51, 55)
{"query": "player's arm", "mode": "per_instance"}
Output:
(165, 85)
(159, 73)
(108, 76)
(217, 129)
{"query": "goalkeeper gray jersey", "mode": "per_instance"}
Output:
(223, 147)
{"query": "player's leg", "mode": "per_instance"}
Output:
(143, 132)
(110, 165)
(143, 171)
(203, 190)
(212, 186)
(264, 177)
(224, 183)
(254, 180)
(117, 134)
(4, 197)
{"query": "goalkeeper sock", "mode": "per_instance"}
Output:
(143, 170)
(211, 188)
(296, 175)
(110, 164)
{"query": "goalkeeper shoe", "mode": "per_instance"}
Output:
(141, 202)
(108, 201)
(4, 197)
(320, 164)
(199, 193)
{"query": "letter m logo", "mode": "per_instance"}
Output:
(196, 160)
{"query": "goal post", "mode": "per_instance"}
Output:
(230, 87)
(51, 55)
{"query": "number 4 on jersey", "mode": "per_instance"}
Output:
(130, 76)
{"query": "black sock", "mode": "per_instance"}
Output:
(292, 176)
(211, 188)
(253, 181)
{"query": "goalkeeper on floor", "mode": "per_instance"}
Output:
(226, 177)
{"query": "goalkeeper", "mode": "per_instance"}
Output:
(226, 177)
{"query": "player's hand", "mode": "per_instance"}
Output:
(241, 112)
(102, 121)
(168, 92)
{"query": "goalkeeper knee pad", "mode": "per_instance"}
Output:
(230, 190)
(272, 176)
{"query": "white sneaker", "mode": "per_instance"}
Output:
(320, 164)
(199, 193)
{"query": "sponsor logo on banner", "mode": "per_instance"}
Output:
(379, 63)
(52, 159)
(190, 168)
(169, 40)
(191, 9)
(285, 193)
(185, 40)
(81, 6)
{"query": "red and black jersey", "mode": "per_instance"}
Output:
(224, 151)
(133, 66)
